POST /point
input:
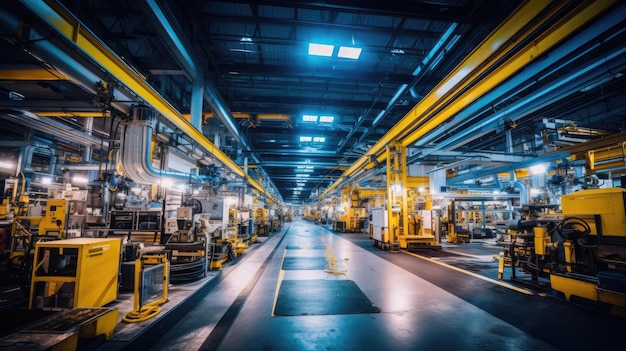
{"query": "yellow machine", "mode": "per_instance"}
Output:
(53, 222)
(582, 251)
(261, 222)
(77, 272)
(230, 233)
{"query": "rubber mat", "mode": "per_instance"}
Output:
(304, 263)
(321, 297)
(315, 247)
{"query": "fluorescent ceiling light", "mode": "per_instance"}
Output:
(327, 119)
(349, 52)
(537, 169)
(319, 139)
(309, 118)
(321, 49)
(7, 165)
(305, 138)
(79, 179)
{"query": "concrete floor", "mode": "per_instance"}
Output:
(308, 288)
(423, 304)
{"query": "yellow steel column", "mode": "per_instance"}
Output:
(404, 207)
(390, 200)
(393, 202)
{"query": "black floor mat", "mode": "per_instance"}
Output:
(321, 297)
(304, 263)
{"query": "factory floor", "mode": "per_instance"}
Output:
(306, 287)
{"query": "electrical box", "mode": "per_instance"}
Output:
(77, 272)
(53, 222)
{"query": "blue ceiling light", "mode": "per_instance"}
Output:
(349, 52)
(321, 49)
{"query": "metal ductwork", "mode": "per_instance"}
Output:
(50, 126)
(69, 28)
(45, 50)
(136, 149)
(523, 191)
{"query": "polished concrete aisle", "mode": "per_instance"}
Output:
(309, 289)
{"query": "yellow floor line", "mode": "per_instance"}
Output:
(281, 274)
(493, 281)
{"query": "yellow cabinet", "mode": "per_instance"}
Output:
(78, 272)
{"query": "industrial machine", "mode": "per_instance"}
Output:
(189, 249)
(261, 222)
(379, 228)
(77, 272)
(581, 251)
(137, 225)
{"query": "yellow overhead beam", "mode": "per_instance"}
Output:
(451, 95)
(33, 73)
(65, 23)
(72, 114)
(544, 43)
(211, 115)
(471, 66)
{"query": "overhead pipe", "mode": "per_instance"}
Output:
(557, 90)
(474, 64)
(536, 99)
(40, 47)
(446, 41)
(179, 49)
(209, 92)
(483, 172)
(523, 192)
(68, 26)
(50, 126)
(421, 119)
(136, 149)
(556, 34)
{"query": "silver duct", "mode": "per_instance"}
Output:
(137, 154)
(44, 50)
(523, 191)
